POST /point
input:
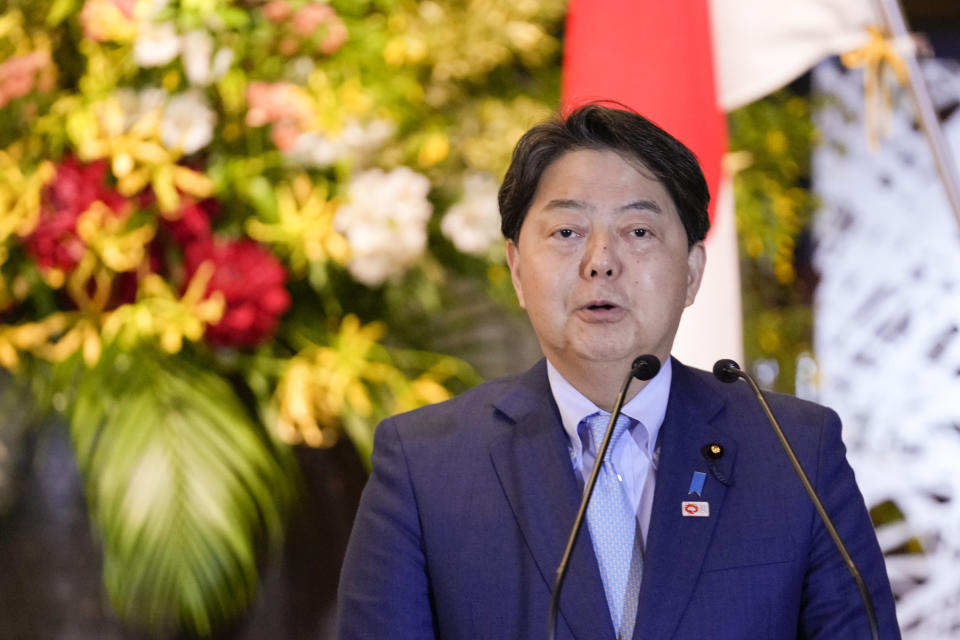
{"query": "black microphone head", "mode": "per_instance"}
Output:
(645, 367)
(726, 370)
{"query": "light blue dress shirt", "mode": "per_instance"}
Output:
(633, 458)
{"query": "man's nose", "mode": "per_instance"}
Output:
(600, 260)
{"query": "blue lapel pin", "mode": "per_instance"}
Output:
(696, 483)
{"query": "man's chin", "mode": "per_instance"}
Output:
(615, 356)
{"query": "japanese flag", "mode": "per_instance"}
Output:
(682, 65)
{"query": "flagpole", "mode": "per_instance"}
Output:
(896, 27)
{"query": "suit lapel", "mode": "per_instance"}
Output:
(677, 544)
(533, 464)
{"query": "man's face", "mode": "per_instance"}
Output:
(602, 265)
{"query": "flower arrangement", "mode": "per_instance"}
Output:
(774, 138)
(216, 220)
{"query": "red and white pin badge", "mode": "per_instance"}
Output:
(695, 509)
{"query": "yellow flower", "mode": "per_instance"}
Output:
(20, 194)
(346, 385)
(776, 141)
(424, 389)
(90, 271)
(769, 341)
(754, 246)
(323, 384)
(783, 270)
(110, 249)
(104, 234)
(54, 277)
(305, 225)
(11, 25)
(137, 157)
(435, 148)
(159, 314)
(55, 338)
(405, 49)
(14, 339)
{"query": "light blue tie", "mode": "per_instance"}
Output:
(613, 528)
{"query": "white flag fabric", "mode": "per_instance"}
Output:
(712, 327)
(762, 45)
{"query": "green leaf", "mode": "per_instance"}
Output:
(183, 487)
(60, 10)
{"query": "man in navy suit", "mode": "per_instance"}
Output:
(465, 516)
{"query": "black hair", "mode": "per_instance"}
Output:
(600, 128)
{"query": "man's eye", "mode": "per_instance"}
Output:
(565, 233)
(639, 233)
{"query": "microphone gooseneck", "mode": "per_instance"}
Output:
(644, 367)
(729, 371)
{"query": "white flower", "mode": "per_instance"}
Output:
(129, 101)
(188, 122)
(356, 140)
(361, 139)
(314, 149)
(156, 44)
(149, 9)
(473, 224)
(139, 105)
(385, 223)
(202, 66)
(300, 68)
(152, 99)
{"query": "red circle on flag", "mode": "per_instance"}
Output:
(691, 508)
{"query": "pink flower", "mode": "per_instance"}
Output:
(335, 37)
(21, 74)
(307, 19)
(108, 20)
(305, 22)
(252, 281)
(286, 106)
(277, 10)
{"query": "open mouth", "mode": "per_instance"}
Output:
(602, 311)
(601, 305)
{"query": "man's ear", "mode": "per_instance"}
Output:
(696, 262)
(513, 261)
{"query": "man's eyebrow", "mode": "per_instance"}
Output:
(642, 205)
(636, 205)
(564, 203)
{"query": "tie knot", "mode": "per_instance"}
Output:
(597, 422)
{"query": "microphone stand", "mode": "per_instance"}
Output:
(643, 368)
(729, 371)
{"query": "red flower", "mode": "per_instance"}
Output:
(252, 282)
(193, 225)
(54, 242)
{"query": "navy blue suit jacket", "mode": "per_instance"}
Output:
(467, 510)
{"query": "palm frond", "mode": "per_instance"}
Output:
(182, 486)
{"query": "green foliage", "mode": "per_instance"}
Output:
(772, 140)
(183, 485)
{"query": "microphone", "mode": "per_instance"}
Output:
(729, 371)
(644, 368)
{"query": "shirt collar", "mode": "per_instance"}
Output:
(647, 407)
